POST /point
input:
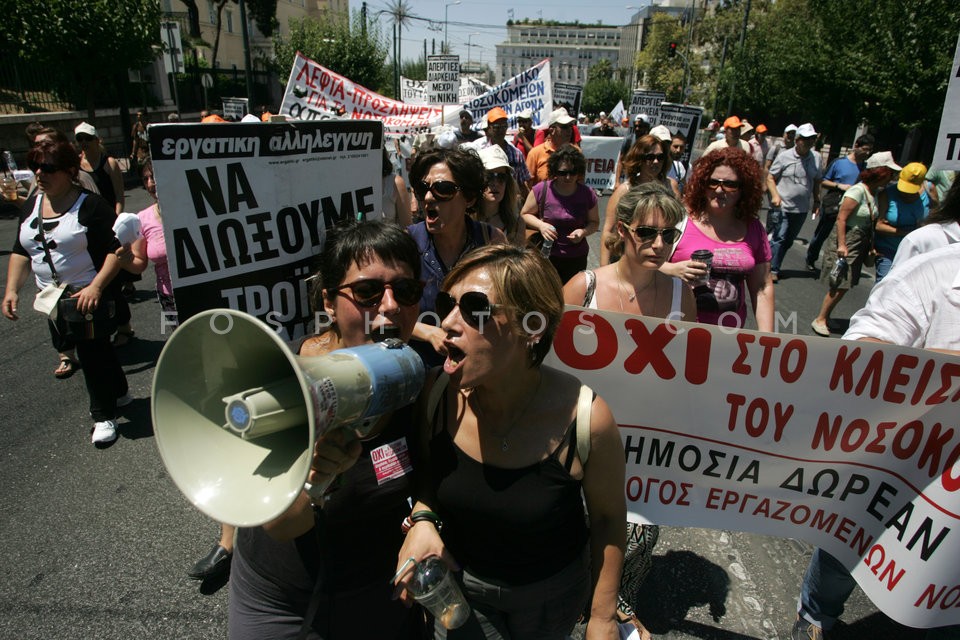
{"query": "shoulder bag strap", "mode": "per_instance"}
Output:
(43, 240)
(436, 394)
(591, 286)
(584, 410)
(542, 200)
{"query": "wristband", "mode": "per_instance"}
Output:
(426, 516)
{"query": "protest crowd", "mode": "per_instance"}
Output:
(508, 467)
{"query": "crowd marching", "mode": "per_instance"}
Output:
(490, 227)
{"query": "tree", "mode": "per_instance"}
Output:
(88, 44)
(602, 92)
(659, 71)
(357, 53)
(264, 15)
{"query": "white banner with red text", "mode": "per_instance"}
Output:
(850, 446)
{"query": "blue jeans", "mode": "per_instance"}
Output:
(773, 220)
(783, 236)
(883, 267)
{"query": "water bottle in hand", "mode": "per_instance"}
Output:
(547, 246)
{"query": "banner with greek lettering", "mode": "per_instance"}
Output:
(413, 91)
(647, 102)
(235, 108)
(947, 155)
(530, 89)
(685, 119)
(314, 92)
(567, 96)
(443, 79)
(851, 446)
(246, 207)
(601, 153)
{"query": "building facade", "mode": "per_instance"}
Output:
(572, 48)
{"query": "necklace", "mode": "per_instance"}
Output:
(504, 439)
(633, 296)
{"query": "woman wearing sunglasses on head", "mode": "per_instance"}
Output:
(66, 238)
(448, 185)
(647, 161)
(368, 284)
(723, 196)
(499, 205)
(564, 210)
(506, 459)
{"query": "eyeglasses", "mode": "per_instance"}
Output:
(649, 234)
(726, 185)
(652, 157)
(475, 307)
(442, 190)
(369, 293)
(497, 125)
(44, 167)
(566, 173)
(82, 137)
(499, 178)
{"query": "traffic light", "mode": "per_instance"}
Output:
(672, 50)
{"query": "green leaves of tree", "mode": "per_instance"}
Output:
(601, 91)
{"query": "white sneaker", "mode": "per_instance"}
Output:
(124, 400)
(104, 432)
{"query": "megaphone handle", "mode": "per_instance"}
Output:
(320, 492)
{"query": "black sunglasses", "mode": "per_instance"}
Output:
(726, 185)
(369, 293)
(649, 234)
(496, 177)
(442, 190)
(44, 167)
(564, 173)
(650, 157)
(475, 307)
(82, 137)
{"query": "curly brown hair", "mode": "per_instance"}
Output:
(747, 170)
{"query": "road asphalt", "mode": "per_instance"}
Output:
(98, 541)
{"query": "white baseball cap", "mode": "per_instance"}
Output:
(790, 128)
(806, 130)
(661, 132)
(882, 159)
(494, 158)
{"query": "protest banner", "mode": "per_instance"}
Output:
(413, 91)
(530, 89)
(647, 102)
(567, 96)
(235, 108)
(314, 92)
(685, 119)
(601, 153)
(246, 208)
(471, 88)
(618, 113)
(851, 446)
(443, 79)
(947, 155)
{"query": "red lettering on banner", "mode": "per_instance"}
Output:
(566, 350)
(942, 596)
(639, 490)
(889, 572)
(650, 349)
(698, 356)
(791, 362)
(739, 365)
(757, 416)
(900, 375)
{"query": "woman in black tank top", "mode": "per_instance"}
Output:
(104, 170)
(505, 453)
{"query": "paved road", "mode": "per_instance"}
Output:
(98, 541)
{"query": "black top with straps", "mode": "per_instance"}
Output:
(508, 526)
(103, 181)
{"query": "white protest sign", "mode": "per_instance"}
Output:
(471, 88)
(647, 102)
(443, 79)
(235, 108)
(313, 91)
(601, 153)
(530, 89)
(618, 113)
(947, 155)
(246, 208)
(685, 119)
(851, 446)
(413, 91)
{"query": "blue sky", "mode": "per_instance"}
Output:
(481, 23)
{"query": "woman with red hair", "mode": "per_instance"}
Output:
(723, 196)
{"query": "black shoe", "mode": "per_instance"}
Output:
(213, 564)
(811, 266)
(803, 630)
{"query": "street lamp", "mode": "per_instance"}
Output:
(475, 33)
(446, 42)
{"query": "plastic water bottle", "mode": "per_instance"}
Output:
(547, 246)
(838, 273)
(9, 161)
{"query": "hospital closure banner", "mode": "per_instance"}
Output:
(246, 207)
(851, 446)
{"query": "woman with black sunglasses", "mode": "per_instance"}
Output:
(723, 196)
(508, 461)
(448, 185)
(564, 210)
(647, 161)
(499, 204)
(367, 286)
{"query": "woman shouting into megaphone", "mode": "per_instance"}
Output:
(323, 570)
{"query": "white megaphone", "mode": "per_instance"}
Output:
(236, 413)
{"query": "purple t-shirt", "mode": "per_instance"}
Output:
(724, 299)
(566, 213)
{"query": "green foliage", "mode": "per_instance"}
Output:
(601, 91)
(337, 45)
(264, 14)
(414, 69)
(658, 71)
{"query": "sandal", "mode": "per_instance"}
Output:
(123, 336)
(67, 368)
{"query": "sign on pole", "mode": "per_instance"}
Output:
(235, 108)
(246, 208)
(947, 155)
(647, 102)
(685, 119)
(172, 47)
(568, 96)
(443, 79)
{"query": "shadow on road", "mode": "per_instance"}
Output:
(679, 581)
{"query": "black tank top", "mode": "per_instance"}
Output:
(508, 526)
(104, 184)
